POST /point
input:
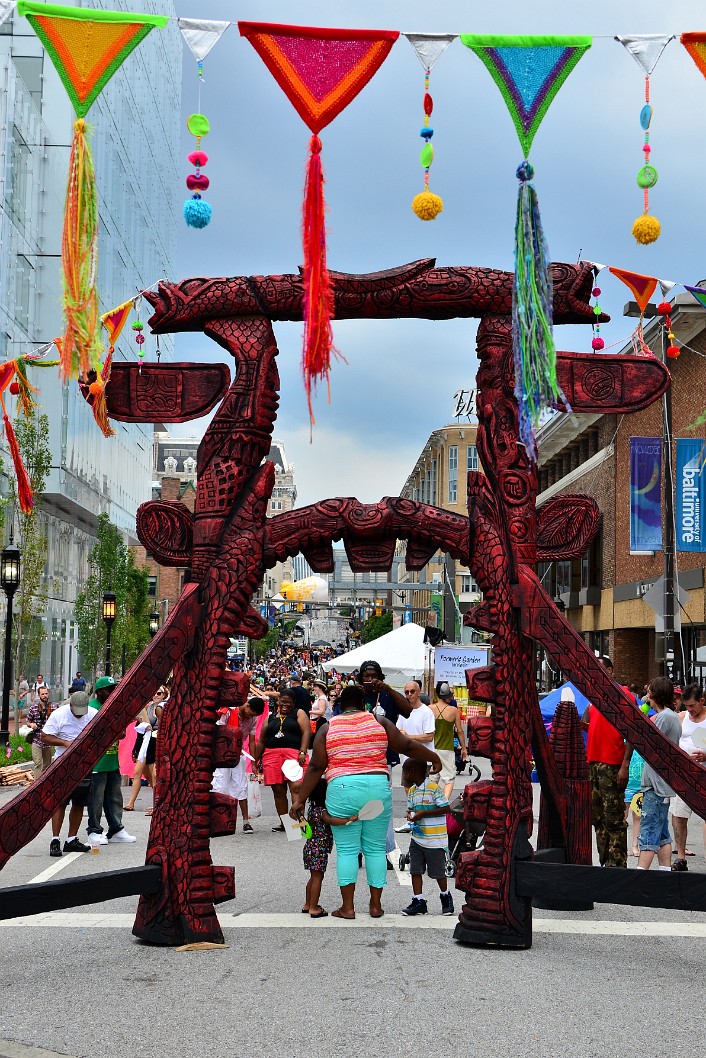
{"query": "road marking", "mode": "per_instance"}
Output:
(96, 920)
(66, 859)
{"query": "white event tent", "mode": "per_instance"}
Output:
(401, 654)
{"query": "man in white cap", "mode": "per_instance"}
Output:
(62, 727)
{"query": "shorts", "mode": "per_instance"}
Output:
(151, 747)
(448, 766)
(681, 810)
(231, 781)
(80, 796)
(272, 761)
(654, 822)
(420, 857)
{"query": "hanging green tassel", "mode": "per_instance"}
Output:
(536, 384)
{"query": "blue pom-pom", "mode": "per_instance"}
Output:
(524, 172)
(426, 133)
(197, 213)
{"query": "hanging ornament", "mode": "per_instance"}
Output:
(197, 213)
(642, 287)
(665, 311)
(597, 342)
(138, 327)
(200, 36)
(428, 47)
(646, 50)
(529, 71)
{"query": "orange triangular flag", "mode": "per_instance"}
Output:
(643, 287)
(695, 44)
(115, 320)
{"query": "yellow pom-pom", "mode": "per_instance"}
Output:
(646, 229)
(426, 205)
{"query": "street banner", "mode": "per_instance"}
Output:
(691, 494)
(450, 663)
(645, 493)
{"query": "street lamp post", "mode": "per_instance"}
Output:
(10, 579)
(154, 623)
(109, 602)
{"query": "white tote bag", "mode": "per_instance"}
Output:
(254, 800)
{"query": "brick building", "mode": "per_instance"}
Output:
(603, 591)
(166, 582)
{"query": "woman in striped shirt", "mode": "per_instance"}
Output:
(352, 750)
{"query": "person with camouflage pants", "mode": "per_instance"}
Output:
(608, 764)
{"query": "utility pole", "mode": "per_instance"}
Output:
(669, 638)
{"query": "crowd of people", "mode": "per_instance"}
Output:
(329, 747)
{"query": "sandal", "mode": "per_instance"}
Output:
(346, 918)
(320, 914)
(635, 851)
(128, 808)
(279, 830)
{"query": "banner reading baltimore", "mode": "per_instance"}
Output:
(691, 494)
(645, 493)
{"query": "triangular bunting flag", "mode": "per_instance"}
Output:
(6, 9)
(646, 49)
(115, 320)
(529, 71)
(200, 36)
(698, 292)
(429, 47)
(695, 44)
(643, 287)
(320, 70)
(87, 46)
(665, 285)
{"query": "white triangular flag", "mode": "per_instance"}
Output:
(200, 36)
(597, 265)
(39, 354)
(646, 49)
(429, 46)
(665, 286)
(6, 9)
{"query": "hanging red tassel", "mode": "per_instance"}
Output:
(318, 298)
(24, 489)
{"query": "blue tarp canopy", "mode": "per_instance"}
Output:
(549, 703)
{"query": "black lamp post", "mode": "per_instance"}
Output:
(108, 616)
(10, 579)
(154, 623)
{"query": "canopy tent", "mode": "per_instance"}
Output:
(401, 654)
(549, 703)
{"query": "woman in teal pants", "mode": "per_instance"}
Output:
(352, 750)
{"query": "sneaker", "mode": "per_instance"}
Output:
(447, 904)
(404, 829)
(76, 846)
(680, 865)
(97, 839)
(417, 907)
(390, 864)
(121, 837)
(247, 829)
(55, 847)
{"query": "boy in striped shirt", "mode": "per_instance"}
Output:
(426, 811)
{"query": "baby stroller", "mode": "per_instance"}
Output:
(464, 836)
(473, 771)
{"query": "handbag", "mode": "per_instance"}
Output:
(254, 800)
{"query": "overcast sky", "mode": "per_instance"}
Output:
(399, 378)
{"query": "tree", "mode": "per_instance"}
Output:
(375, 627)
(31, 597)
(112, 568)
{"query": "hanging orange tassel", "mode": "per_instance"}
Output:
(318, 298)
(24, 489)
(99, 407)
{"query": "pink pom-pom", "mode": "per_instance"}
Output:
(197, 183)
(597, 343)
(596, 292)
(198, 158)
(646, 148)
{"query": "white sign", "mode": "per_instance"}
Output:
(450, 663)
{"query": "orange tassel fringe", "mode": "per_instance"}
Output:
(318, 297)
(24, 489)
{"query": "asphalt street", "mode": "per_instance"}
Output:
(606, 982)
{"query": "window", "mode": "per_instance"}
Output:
(471, 457)
(152, 587)
(433, 482)
(468, 585)
(453, 473)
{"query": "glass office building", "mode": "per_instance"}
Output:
(139, 175)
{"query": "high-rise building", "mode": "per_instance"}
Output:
(135, 147)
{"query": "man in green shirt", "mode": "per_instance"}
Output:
(106, 792)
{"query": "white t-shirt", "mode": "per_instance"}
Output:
(63, 724)
(421, 721)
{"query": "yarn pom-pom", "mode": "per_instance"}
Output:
(673, 351)
(14, 388)
(597, 344)
(197, 213)
(646, 229)
(664, 308)
(96, 387)
(426, 205)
